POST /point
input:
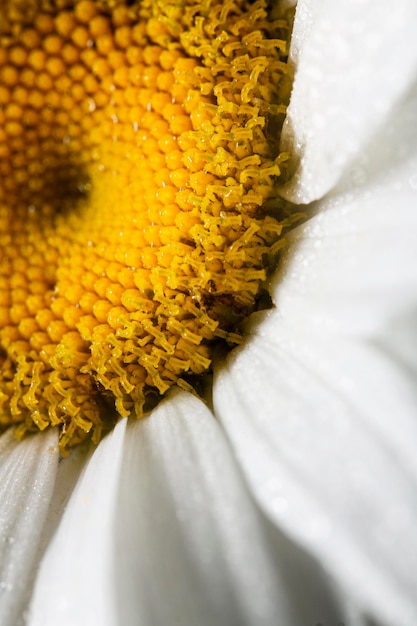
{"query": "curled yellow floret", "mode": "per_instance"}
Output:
(138, 169)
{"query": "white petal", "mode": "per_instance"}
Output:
(354, 61)
(75, 585)
(352, 269)
(350, 272)
(161, 530)
(326, 433)
(27, 476)
(69, 470)
(189, 533)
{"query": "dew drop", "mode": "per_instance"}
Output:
(413, 181)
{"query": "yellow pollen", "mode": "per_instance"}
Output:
(139, 164)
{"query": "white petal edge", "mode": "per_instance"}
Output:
(326, 433)
(75, 584)
(161, 530)
(348, 82)
(28, 470)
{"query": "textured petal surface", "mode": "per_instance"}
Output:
(174, 539)
(327, 433)
(69, 471)
(321, 404)
(346, 83)
(352, 269)
(352, 273)
(75, 584)
(27, 476)
(196, 539)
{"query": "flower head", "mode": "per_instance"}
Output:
(296, 505)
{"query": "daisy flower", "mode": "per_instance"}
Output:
(291, 497)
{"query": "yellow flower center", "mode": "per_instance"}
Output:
(138, 170)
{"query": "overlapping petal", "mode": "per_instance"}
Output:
(162, 530)
(326, 433)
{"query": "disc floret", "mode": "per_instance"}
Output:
(139, 156)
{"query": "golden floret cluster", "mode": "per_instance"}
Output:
(138, 165)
